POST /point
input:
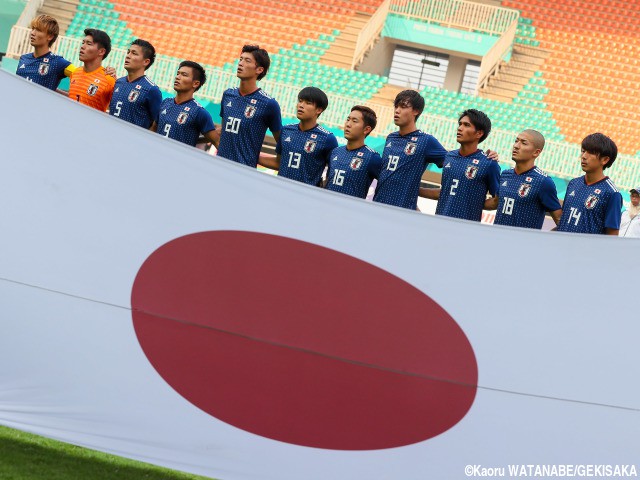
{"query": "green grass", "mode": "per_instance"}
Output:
(24, 456)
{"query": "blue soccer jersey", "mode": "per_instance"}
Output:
(352, 171)
(303, 155)
(591, 208)
(524, 198)
(245, 120)
(183, 121)
(405, 158)
(465, 183)
(136, 102)
(47, 70)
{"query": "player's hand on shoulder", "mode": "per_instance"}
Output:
(492, 154)
(111, 72)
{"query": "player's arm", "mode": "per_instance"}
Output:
(549, 199)
(491, 203)
(430, 193)
(212, 136)
(111, 71)
(68, 71)
(613, 215)
(154, 126)
(493, 179)
(269, 161)
(215, 136)
(556, 215)
(492, 154)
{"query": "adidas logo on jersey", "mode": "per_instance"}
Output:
(22, 66)
(117, 90)
(572, 194)
(164, 112)
(229, 104)
(504, 184)
(448, 165)
(288, 139)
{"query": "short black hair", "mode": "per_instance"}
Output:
(601, 145)
(101, 38)
(148, 50)
(315, 96)
(261, 57)
(479, 120)
(198, 71)
(411, 98)
(369, 117)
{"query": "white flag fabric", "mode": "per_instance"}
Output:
(180, 309)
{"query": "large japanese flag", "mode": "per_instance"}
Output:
(176, 308)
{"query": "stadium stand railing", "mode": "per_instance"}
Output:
(29, 12)
(471, 16)
(369, 34)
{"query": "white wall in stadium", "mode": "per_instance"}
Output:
(89, 202)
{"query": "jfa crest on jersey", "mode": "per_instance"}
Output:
(356, 163)
(47, 70)
(310, 146)
(410, 148)
(304, 154)
(92, 89)
(591, 208)
(524, 190)
(465, 183)
(133, 96)
(352, 171)
(245, 120)
(471, 172)
(524, 198)
(591, 201)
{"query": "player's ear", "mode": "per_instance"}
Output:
(146, 62)
(102, 51)
(604, 161)
(367, 130)
(259, 70)
(196, 84)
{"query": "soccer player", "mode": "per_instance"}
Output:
(247, 111)
(91, 85)
(525, 192)
(42, 66)
(592, 203)
(182, 118)
(406, 154)
(136, 99)
(305, 146)
(353, 167)
(468, 174)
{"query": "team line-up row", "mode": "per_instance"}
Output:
(521, 196)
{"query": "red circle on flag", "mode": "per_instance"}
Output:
(300, 343)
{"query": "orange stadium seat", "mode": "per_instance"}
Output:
(593, 70)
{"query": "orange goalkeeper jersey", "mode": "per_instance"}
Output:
(92, 88)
